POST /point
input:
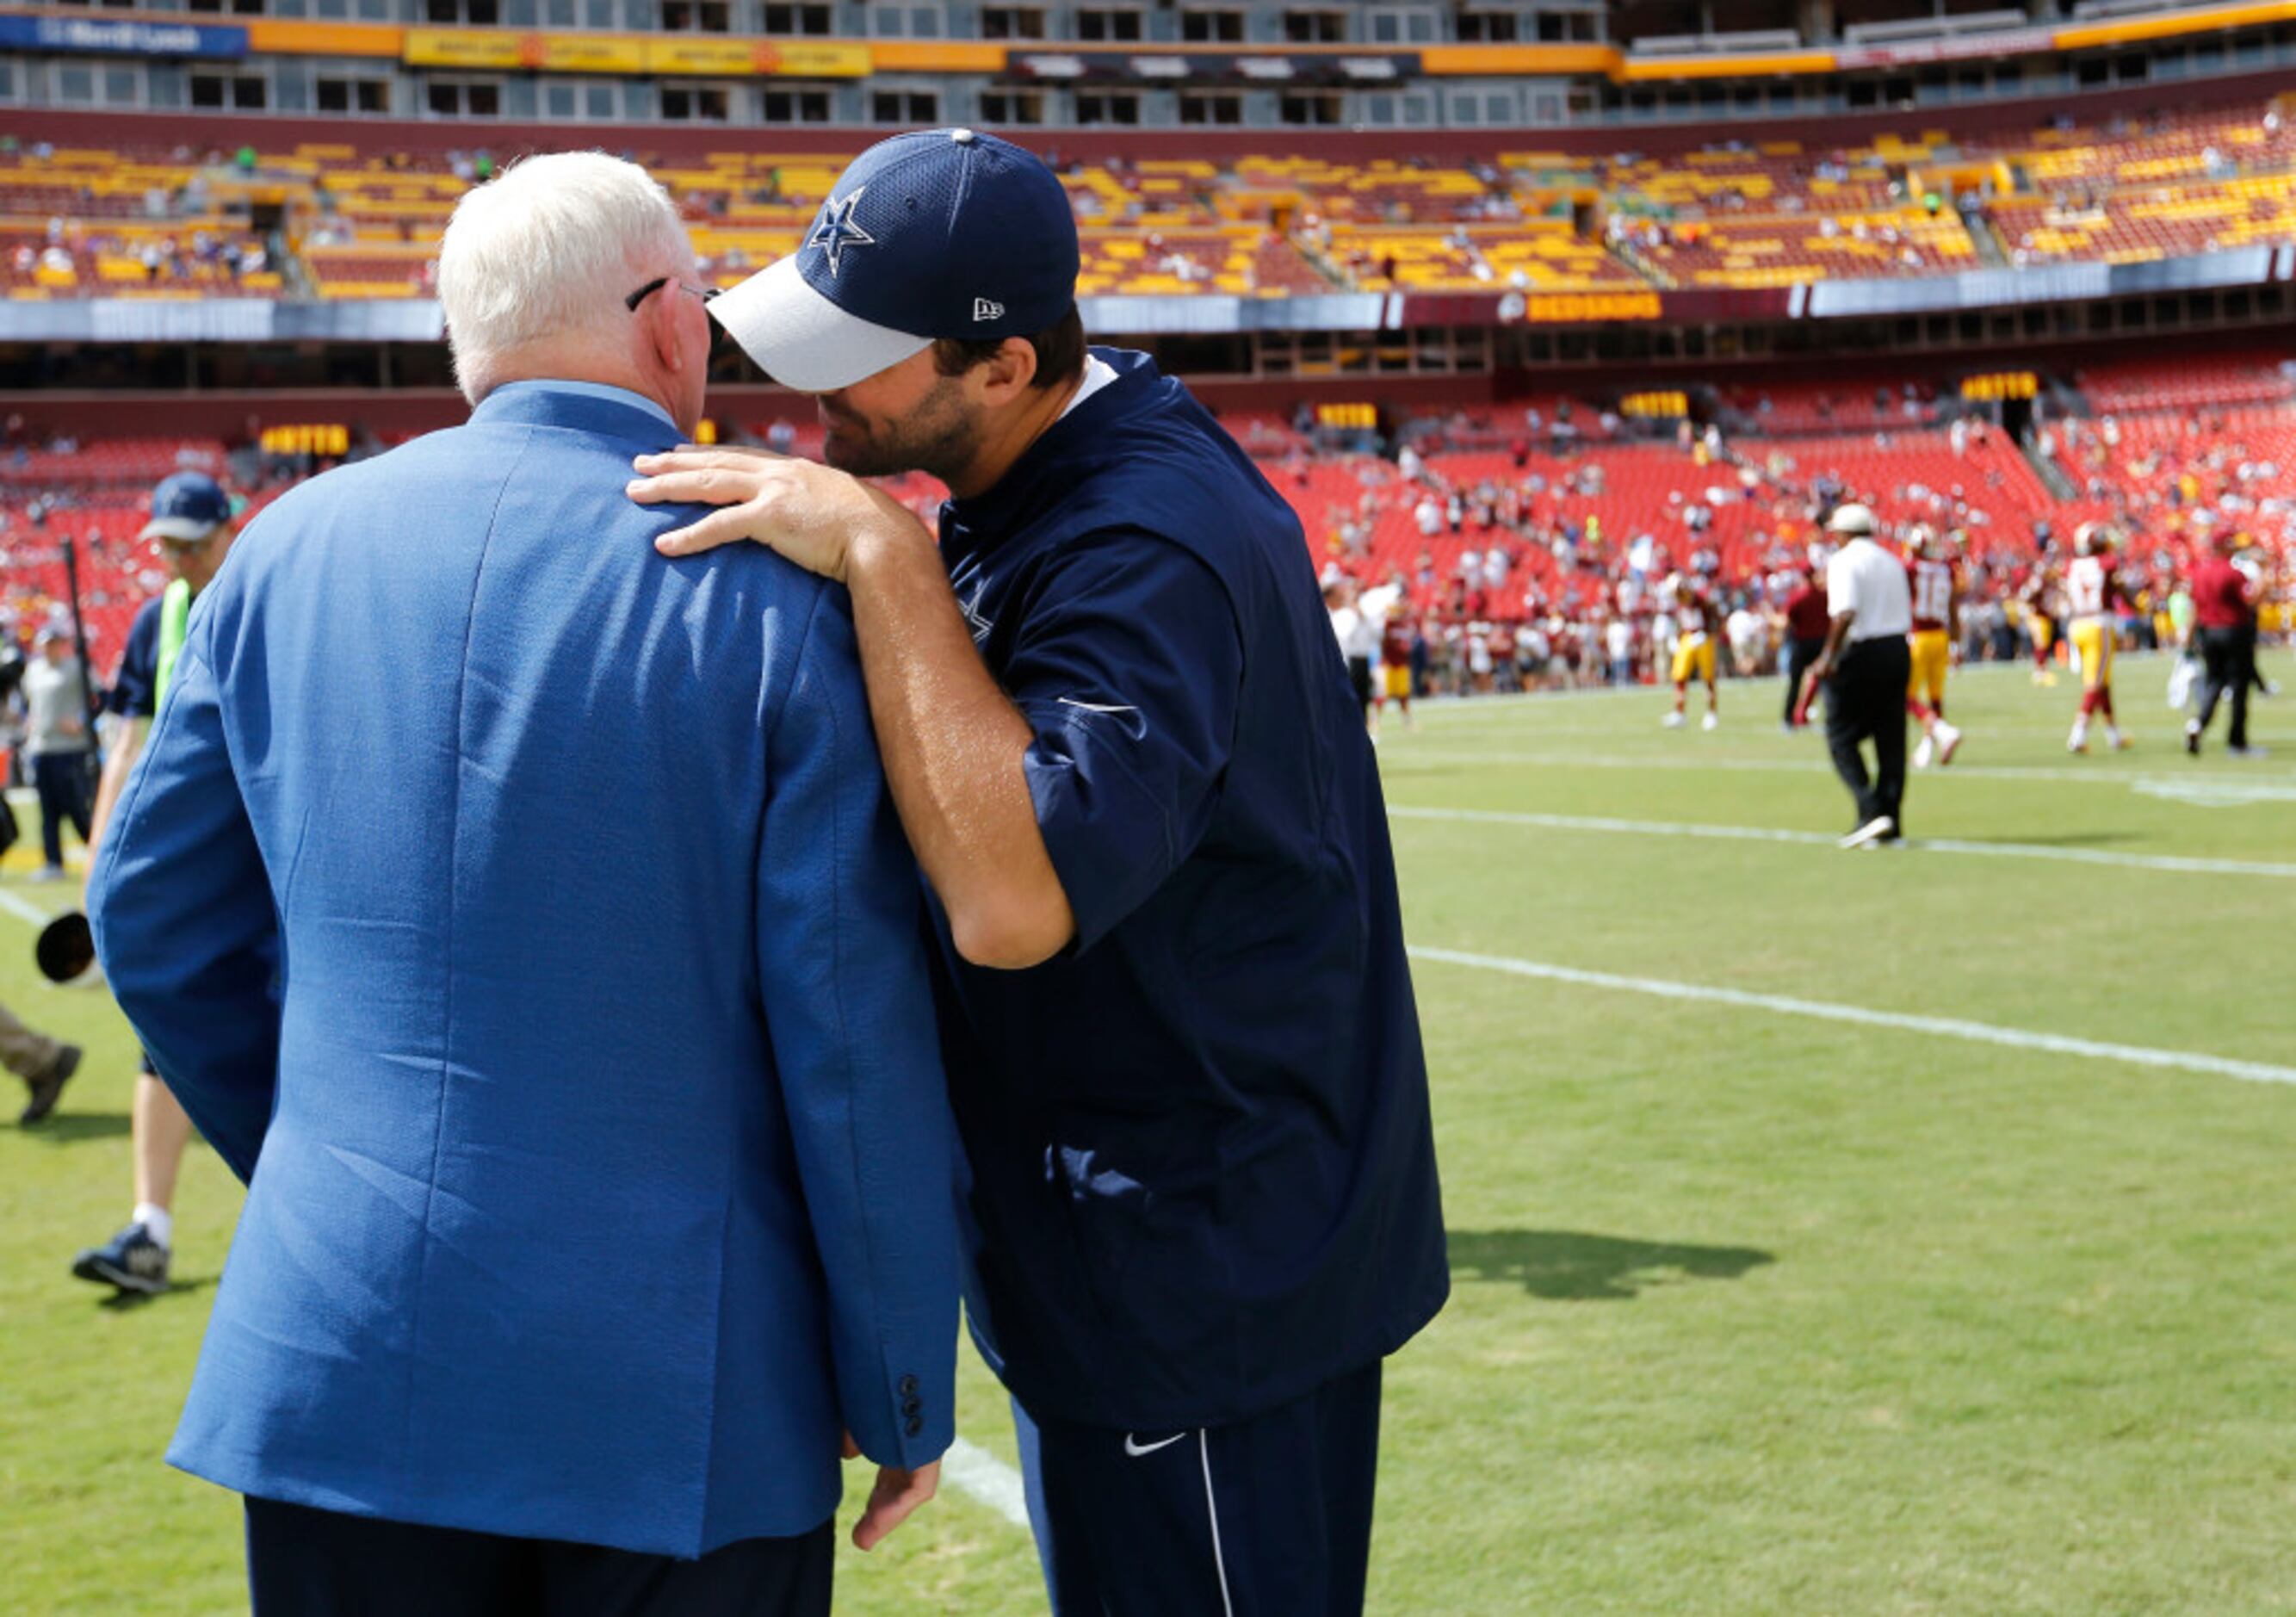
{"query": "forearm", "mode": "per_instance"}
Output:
(127, 747)
(1837, 636)
(953, 746)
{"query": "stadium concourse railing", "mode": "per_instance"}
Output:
(222, 319)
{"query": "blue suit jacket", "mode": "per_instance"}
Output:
(524, 916)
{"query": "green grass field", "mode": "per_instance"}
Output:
(1755, 1311)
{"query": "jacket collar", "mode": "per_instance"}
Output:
(583, 406)
(988, 513)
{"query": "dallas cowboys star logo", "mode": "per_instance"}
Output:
(836, 230)
(981, 626)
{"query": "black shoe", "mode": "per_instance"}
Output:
(131, 1260)
(2192, 741)
(50, 1085)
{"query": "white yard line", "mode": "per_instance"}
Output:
(1817, 838)
(974, 1472)
(1944, 1026)
(2104, 774)
(23, 909)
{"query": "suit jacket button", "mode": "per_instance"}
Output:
(916, 1425)
(908, 1386)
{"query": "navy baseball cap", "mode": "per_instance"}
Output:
(942, 233)
(187, 507)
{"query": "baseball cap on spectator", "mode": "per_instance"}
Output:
(187, 507)
(940, 233)
(1852, 521)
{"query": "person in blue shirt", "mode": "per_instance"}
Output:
(1176, 1008)
(600, 1171)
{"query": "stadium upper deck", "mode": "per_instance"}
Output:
(360, 219)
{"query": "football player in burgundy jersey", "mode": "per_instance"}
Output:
(1930, 577)
(2092, 592)
(1697, 623)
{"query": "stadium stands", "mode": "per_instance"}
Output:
(1793, 251)
(357, 220)
(1544, 507)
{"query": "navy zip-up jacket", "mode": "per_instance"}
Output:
(1203, 1166)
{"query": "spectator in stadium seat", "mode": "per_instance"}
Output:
(605, 1161)
(1182, 1044)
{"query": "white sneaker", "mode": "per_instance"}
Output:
(1872, 831)
(2246, 753)
(1672, 721)
(1711, 721)
(1922, 752)
(1949, 740)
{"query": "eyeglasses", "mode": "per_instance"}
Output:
(708, 294)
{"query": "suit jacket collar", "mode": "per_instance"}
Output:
(580, 408)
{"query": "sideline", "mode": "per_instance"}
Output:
(1944, 1026)
(979, 1474)
(2182, 863)
(23, 909)
(2103, 776)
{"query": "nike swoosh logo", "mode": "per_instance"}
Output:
(1136, 1448)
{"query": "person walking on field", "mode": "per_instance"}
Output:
(1864, 666)
(44, 1064)
(2224, 619)
(192, 521)
(56, 739)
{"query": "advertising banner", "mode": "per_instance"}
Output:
(554, 52)
(109, 36)
(1216, 67)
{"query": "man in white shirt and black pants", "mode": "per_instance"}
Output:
(1865, 667)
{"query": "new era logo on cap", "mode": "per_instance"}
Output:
(882, 272)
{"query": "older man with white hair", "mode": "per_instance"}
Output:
(524, 916)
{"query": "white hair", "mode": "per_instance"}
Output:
(547, 250)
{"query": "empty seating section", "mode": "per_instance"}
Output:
(2187, 384)
(1774, 178)
(1388, 191)
(1239, 259)
(1539, 255)
(1791, 251)
(2151, 222)
(2192, 145)
(1822, 407)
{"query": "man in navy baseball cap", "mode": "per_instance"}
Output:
(939, 233)
(191, 518)
(187, 508)
(1177, 1014)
